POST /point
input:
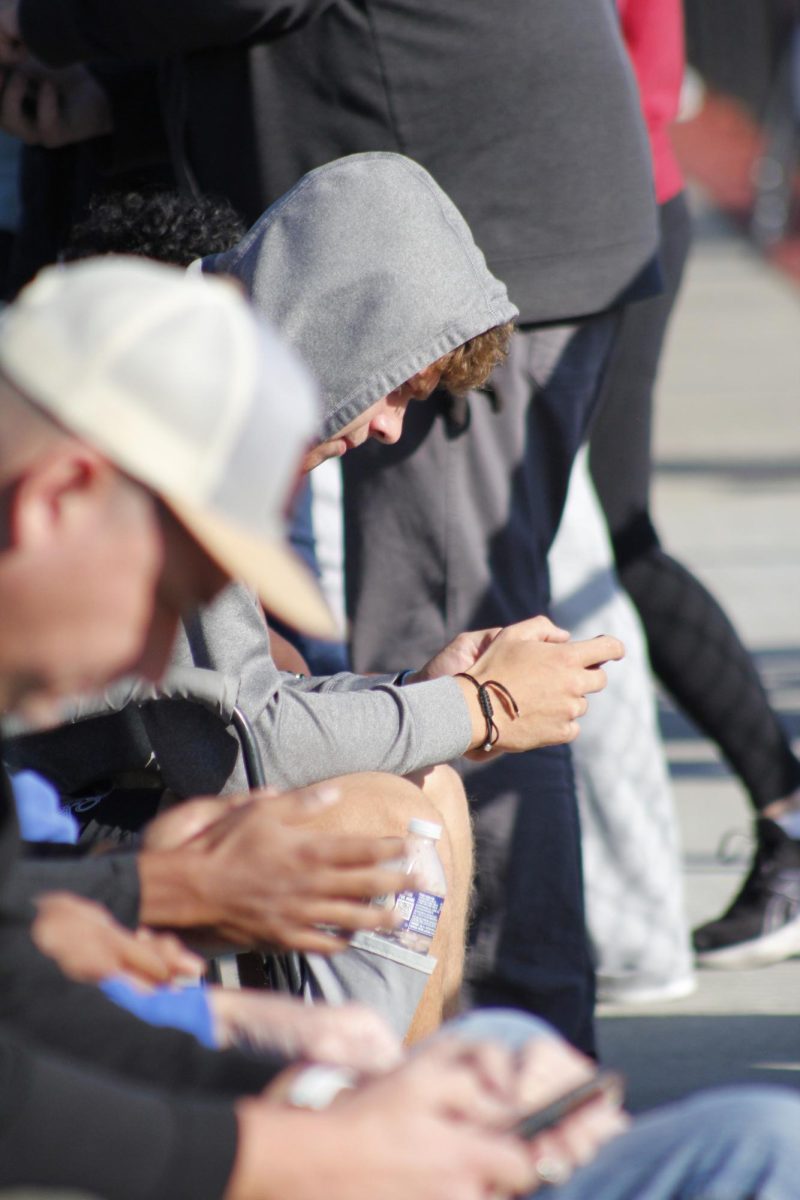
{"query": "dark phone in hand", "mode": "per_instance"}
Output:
(604, 1083)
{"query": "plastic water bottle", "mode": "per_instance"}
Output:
(421, 909)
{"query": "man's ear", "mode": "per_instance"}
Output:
(56, 494)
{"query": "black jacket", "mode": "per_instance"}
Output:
(525, 111)
(91, 1098)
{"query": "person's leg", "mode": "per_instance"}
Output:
(694, 648)
(529, 940)
(455, 536)
(629, 835)
(377, 805)
(445, 791)
(731, 1144)
(698, 656)
(528, 944)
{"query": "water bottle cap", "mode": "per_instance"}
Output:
(428, 829)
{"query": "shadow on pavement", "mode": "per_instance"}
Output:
(665, 1057)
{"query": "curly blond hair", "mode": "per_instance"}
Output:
(470, 365)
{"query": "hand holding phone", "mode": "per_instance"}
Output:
(610, 1084)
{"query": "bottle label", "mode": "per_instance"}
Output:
(420, 912)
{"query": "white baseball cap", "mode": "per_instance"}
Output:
(181, 385)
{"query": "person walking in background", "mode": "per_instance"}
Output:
(695, 650)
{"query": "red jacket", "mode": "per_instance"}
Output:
(653, 31)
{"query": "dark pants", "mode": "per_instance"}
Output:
(455, 536)
(695, 650)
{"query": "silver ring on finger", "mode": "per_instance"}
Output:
(552, 1171)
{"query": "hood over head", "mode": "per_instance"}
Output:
(371, 272)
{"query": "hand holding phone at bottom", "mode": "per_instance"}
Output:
(555, 1076)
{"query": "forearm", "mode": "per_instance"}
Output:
(309, 736)
(110, 879)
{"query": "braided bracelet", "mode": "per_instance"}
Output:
(487, 708)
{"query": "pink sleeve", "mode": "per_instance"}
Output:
(653, 32)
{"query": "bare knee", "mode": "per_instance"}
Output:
(375, 804)
(442, 788)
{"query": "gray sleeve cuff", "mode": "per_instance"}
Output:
(441, 718)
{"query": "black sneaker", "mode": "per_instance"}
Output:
(762, 925)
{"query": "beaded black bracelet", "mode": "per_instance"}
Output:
(487, 708)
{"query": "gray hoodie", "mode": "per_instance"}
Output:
(369, 269)
(371, 272)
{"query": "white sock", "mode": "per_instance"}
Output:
(790, 823)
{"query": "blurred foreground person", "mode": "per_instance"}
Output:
(110, 477)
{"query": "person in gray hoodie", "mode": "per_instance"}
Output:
(370, 271)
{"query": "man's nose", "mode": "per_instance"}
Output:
(387, 426)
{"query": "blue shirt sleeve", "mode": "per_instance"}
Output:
(39, 812)
(181, 1008)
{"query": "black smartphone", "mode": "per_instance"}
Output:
(604, 1083)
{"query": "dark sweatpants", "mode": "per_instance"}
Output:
(695, 650)
(455, 536)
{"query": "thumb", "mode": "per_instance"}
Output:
(292, 808)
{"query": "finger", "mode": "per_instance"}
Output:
(215, 831)
(483, 638)
(178, 959)
(139, 958)
(495, 1067)
(557, 635)
(347, 915)
(600, 649)
(551, 1159)
(569, 1145)
(293, 808)
(344, 850)
(357, 885)
(263, 793)
(307, 940)
(583, 1133)
(363, 1048)
(456, 1085)
(505, 1165)
(484, 635)
(379, 1046)
(363, 1027)
(594, 680)
(543, 629)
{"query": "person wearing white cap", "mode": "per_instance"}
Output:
(129, 493)
(172, 382)
(110, 427)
